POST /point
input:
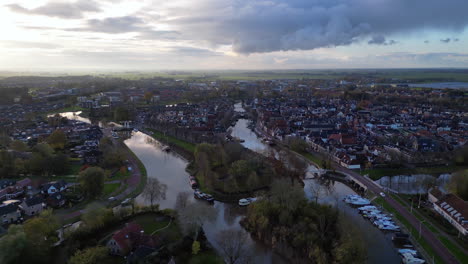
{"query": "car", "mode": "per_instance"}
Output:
(126, 201)
(244, 202)
(112, 198)
(382, 194)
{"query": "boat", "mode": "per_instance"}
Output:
(203, 196)
(408, 258)
(166, 149)
(407, 250)
(355, 199)
(367, 208)
(246, 201)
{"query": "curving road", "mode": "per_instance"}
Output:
(438, 247)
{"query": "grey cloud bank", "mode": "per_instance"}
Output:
(65, 10)
(257, 26)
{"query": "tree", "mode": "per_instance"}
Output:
(96, 215)
(154, 191)
(57, 140)
(195, 247)
(19, 146)
(93, 255)
(297, 144)
(286, 194)
(193, 216)
(350, 249)
(182, 200)
(317, 190)
(459, 184)
(92, 181)
(121, 114)
(6, 164)
(148, 96)
(240, 168)
(233, 244)
(42, 229)
(14, 246)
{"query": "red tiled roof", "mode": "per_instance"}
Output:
(131, 237)
(456, 207)
(122, 237)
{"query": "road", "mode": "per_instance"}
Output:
(433, 241)
(438, 247)
(132, 182)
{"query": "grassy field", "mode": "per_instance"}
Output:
(315, 159)
(110, 188)
(416, 75)
(456, 251)
(149, 224)
(376, 174)
(206, 257)
(190, 147)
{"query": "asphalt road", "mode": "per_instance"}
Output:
(438, 247)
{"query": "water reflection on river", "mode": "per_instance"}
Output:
(169, 168)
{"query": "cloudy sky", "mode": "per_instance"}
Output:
(232, 34)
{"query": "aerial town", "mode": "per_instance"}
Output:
(138, 171)
(234, 132)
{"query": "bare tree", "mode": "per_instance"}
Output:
(286, 194)
(233, 244)
(154, 191)
(182, 200)
(194, 215)
(317, 190)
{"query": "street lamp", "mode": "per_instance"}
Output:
(420, 224)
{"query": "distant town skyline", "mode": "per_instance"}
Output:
(232, 34)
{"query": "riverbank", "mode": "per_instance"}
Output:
(183, 148)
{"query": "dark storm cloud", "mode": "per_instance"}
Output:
(65, 10)
(252, 26)
(126, 24)
(380, 40)
(190, 51)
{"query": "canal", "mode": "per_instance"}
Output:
(169, 168)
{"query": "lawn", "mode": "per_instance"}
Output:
(456, 251)
(206, 257)
(315, 159)
(110, 188)
(119, 175)
(150, 224)
(190, 147)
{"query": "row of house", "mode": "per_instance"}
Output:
(30, 201)
(357, 133)
(452, 208)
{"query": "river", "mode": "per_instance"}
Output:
(169, 168)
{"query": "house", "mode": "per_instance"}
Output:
(454, 210)
(9, 213)
(130, 238)
(434, 195)
(32, 206)
(56, 200)
(53, 187)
